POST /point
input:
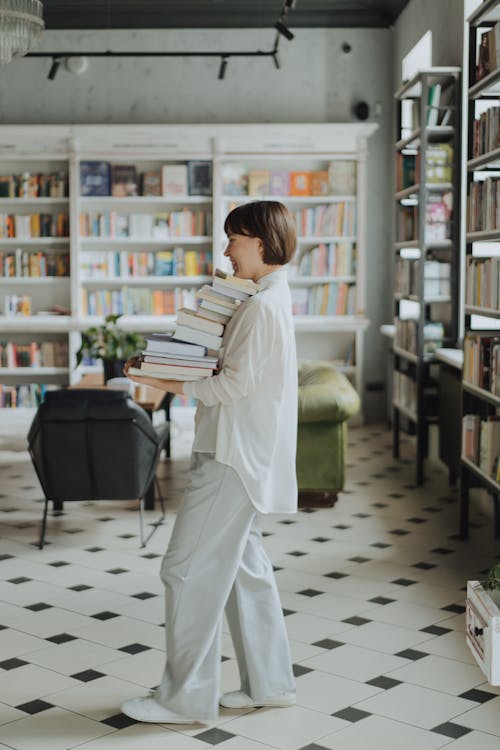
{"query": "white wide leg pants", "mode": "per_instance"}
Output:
(216, 560)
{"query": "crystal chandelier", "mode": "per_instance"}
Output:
(21, 25)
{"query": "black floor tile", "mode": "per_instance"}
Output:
(328, 643)
(412, 654)
(104, 615)
(119, 721)
(94, 549)
(435, 630)
(321, 539)
(424, 566)
(287, 612)
(359, 559)
(381, 600)
(117, 571)
(335, 574)
(457, 608)
(214, 736)
(351, 714)
(451, 730)
(404, 582)
(480, 696)
(134, 648)
(58, 564)
(34, 707)
(20, 579)
(12, 663)
(310, 592)
(299, 670)
(144, 595)
(88, 675)
(383, 682)
(150, 556)
(297, 553)
(38, 607)
(356, 620)
(80, 587)
(380, 545)
(61, 638)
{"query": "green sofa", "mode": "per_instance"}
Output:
(326, 401)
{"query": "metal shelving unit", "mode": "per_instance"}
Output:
(477, 400)
(418, 365)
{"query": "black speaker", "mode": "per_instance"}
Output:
(361, 110)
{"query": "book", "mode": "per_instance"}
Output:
(234, 179)
(123, 181)
(213, 307)
(300, 183)
(192, 319)
(164, 265)
(434, 97)
(170, 359)
(174, 179)
(279, 183)
(95, 178)
(259, 182)
(208, 293)
(320, 184)
(150, 183)
(342, 177)
(199, 177)
(229, 290)
(165, 370)
(164, 342)
(138, 371)
(215, 316)
(194, 336)
(247, 285)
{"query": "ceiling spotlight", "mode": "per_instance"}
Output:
(284, 30)
(77, 64)
(54, 68)
(222, 69)
(276, 60)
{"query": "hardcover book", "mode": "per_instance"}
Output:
(174, 179)
(95, 178)
(199, 177)
(123, 181)
(151, 184)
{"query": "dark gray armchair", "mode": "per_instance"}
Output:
(95, 445)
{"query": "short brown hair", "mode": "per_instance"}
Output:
(269, 221)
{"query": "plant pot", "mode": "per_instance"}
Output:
(113, 368)
(483, 628)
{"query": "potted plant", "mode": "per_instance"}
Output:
(111, 344)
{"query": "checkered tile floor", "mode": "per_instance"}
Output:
(372, 590)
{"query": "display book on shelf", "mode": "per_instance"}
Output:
(99, 263)
(427, 203)
(481, 373)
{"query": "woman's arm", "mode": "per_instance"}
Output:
(169, 386)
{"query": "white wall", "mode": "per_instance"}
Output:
(317, 83)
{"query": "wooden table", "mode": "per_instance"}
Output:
(151, 399)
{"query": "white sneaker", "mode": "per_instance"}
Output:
(239, 699)
(148, 709)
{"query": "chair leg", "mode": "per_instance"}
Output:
(156, 523)
(44, 522)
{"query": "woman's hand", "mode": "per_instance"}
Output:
(169, 386)
(134, 361)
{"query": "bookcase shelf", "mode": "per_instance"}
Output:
(490, 158)
(149, 281)
(277, 147)
(479, 404)
(431, 95)
(30, 372)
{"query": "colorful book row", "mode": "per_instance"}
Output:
(338, 178)
(100, 178)
(483, 282)
(29, 264)
(333, 259)
(31, 226)
(482, 361)
(34, 354)
(110, 224)
(34, 185)
(334, 219)
(127, 301)
(324, 299)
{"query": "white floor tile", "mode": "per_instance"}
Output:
(389, 639)
(356, 663)
(147, 736)
(7, 714)
(29, 682)
(378, 733)
(287, 729)
(415, 705)
(98, 699)
(485, 718)
(435, 672)
(144, 669)
(328, 693)
(54, 729)
(476, 741)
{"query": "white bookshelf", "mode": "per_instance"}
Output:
(290, 147)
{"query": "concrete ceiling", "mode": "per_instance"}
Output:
(216, 14)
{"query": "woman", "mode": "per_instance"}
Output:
(243, 466)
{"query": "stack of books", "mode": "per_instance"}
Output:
(191, 352)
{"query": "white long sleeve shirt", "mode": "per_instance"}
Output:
(247, 413)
